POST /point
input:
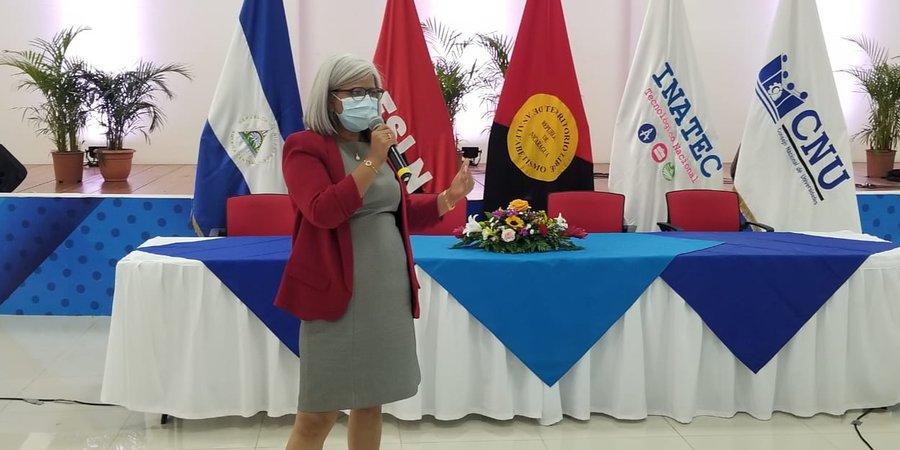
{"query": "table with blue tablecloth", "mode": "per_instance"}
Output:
(636, 324)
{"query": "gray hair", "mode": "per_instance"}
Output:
(336, 71)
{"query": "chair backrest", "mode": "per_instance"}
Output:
(595, 212)
(704, 210)
(259, 215)
(450, 221)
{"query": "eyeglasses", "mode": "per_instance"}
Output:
(359, 93)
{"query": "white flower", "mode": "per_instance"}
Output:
(561, 222)
(485, 235)
(508, 235)
(472, 226)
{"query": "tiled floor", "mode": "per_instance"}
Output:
(62, 357)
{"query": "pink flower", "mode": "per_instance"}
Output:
(508, 235)
(458, 232)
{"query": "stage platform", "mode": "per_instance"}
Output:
(178, 179)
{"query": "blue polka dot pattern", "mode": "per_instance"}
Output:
(79, 259)
(878, 214)
(22, 249)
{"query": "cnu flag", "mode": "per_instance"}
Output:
(663, 139)
(256, 106)
(413, 105)
(540, 142)
(794, 171)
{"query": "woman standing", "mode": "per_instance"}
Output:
(350, 277)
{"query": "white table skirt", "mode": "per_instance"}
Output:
(180, 343)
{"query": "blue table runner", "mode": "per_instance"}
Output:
(251, 267)
(756, 290)
(549, 309)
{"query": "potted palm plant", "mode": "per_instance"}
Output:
(880, 81)
(458, 80)
(47, 69)
(126, 103)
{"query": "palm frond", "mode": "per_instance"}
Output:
(127, 100)
(875, 52)
(499, 49)
(493, 72)
(46, 68)
(443, 40)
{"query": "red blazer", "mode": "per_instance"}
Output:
(318, 277)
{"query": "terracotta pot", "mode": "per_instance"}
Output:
(879, 163)
(68, 166)
(115, 165)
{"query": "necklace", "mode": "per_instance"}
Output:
(357, 155)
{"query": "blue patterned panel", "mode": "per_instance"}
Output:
(74, 272)
(32, 228)
(880, 215)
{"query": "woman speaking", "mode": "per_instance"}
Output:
(350, 277)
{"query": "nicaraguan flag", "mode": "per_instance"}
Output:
(255, 107)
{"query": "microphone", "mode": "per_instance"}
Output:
(395, 158)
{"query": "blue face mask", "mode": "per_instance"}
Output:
(358, 114)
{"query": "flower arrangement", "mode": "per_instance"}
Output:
(518, 229)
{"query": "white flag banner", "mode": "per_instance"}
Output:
(794, 170)
(663, 140)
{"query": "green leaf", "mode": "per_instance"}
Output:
(880, 81)
(46, 68)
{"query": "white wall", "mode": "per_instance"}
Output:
(730, 38)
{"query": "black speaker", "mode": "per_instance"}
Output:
(12, 172)
(893, 175)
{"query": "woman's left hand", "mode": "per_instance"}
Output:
(461, 185)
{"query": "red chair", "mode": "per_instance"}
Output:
(453, 219)
(259, 215)
(595, 212)
(705, 210)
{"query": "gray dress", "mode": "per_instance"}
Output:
(368, 356)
